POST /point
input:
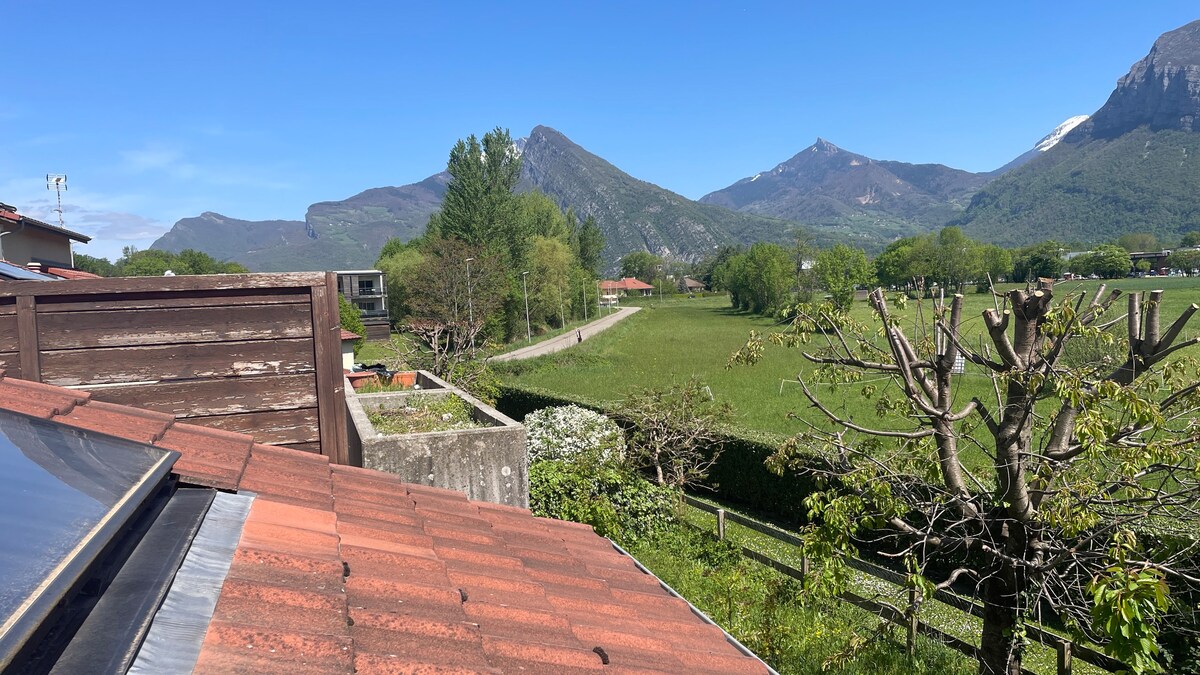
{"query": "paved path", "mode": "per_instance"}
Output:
(568, 339)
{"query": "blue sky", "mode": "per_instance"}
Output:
(159, 111)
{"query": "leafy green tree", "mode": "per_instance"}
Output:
(549, 280)
(958, 259)
(396, 265)
(770, 274)
(996, 262)
(541, 216)
(1042, 260)
(1138, 241)
(894, 266)
(1190, 238)
(641, 265)
(98, 266)
(840, 270)
(479, 207)
(589, 246)
(155, 263)
(1086, 499)
(350, 318)
(1107, 260)
(1184, 260)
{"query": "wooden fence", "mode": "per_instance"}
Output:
(252, 353)
(907, 616)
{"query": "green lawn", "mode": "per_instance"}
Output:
(670, 341)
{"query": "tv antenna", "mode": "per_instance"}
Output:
(58, 183)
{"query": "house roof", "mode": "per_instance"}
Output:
(347, 335)
(69, 273)
(10, 215)
(625, 284)
(341, 569)
(692, 283)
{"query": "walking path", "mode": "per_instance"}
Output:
(557, 344)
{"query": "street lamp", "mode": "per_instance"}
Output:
(470, 307)
(525, 287)
(660, 284)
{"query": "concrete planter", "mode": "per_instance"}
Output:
(488, 464)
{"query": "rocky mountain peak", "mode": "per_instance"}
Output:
(1161, 91)
(824, 146)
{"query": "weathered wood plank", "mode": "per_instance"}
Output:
(177, 362)
(327, 344)
(8, 306)
(223, 396)
(167, 299)
(10, 340)
(173, 326)
(10, 363)
(278, 427)
(27, 335)
(314, 448)
(152, 284)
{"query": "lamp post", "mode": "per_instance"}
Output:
(660, 284)
(470, 307)
(525, 287)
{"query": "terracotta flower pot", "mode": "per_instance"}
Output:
(404, 379)
(359, 380)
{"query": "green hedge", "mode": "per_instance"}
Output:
(740, 474)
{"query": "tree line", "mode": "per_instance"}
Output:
(768, 277)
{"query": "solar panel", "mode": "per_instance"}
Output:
(64, 494)
(12, 271)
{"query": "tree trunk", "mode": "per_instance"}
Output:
(999, 649)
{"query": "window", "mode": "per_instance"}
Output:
(366, 286)
(367, 306)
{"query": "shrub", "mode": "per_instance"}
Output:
(618, 503)
(567, 432)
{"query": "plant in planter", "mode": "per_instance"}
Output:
(423, 413)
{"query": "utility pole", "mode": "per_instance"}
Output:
(525, 287)
(470, 307)
(661, 280)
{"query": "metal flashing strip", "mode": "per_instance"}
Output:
(695, 610)
(110, 636)
(178, 630)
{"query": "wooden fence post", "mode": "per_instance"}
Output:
(27, 336)
(913, 598)
(721, 524)
(1064, 657)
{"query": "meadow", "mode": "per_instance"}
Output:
(670, 341)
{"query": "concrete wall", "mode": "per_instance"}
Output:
(487, 464)
(32, 243)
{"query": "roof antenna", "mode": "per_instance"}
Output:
(58, 183)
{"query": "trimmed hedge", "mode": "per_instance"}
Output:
(740, 474)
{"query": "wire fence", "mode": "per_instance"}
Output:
(906, 617)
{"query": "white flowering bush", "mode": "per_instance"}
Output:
(571, 432)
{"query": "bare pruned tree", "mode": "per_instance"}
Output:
(450, 308)
(1050, 485)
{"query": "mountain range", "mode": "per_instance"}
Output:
(1131, 166)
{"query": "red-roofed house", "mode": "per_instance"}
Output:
(303, 566)
(626, 286)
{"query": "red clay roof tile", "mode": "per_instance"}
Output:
(342, 569)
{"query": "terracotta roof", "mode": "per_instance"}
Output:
(343, 570)
(347, 335)
(626, 284)
(69, 273)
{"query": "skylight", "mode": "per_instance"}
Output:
(64, 494)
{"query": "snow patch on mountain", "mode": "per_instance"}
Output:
(1059, 132)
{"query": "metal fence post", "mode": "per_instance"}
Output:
(721, 524)
(913, 598)
(1064, 657)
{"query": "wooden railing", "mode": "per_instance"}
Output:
(906, 617)
(252, 353)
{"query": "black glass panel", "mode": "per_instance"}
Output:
(63, 493)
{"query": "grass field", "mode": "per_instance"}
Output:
(681, 337)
